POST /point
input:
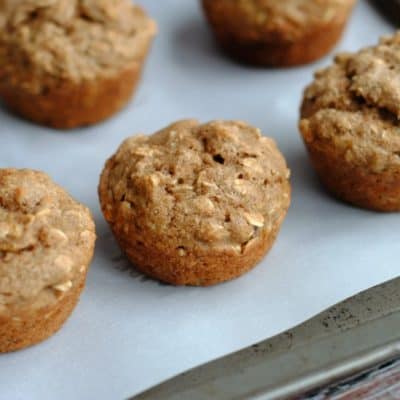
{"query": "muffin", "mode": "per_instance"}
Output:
(277, 33)
(350, 125)
(70, 63)
(46, 245)
(196, 204)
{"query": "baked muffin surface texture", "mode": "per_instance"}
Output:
(46, 245)
(196, 204)
(83, 55)
(350, 125)
(277, 33)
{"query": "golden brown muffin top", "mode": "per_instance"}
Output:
(46, 240)
(288, 19)
(73, 39)
(355, 104)
(211, 186)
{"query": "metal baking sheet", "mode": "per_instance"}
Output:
(353, 338)
(129, 333)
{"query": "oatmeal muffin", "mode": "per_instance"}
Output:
(351, 123)
(46, 245)
(196, 204)
(277, 33)
(69, 63)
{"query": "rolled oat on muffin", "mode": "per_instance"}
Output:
(46, 245)
(277, 32)
(196, 204)
(350, 125)
(70, 63)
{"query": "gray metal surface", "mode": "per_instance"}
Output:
(347, 338)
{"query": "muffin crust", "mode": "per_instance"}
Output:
(196, 204)
(46, 245)
(277, 33)
(78, 60)
(350, 124)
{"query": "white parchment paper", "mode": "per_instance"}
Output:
(129, 333)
